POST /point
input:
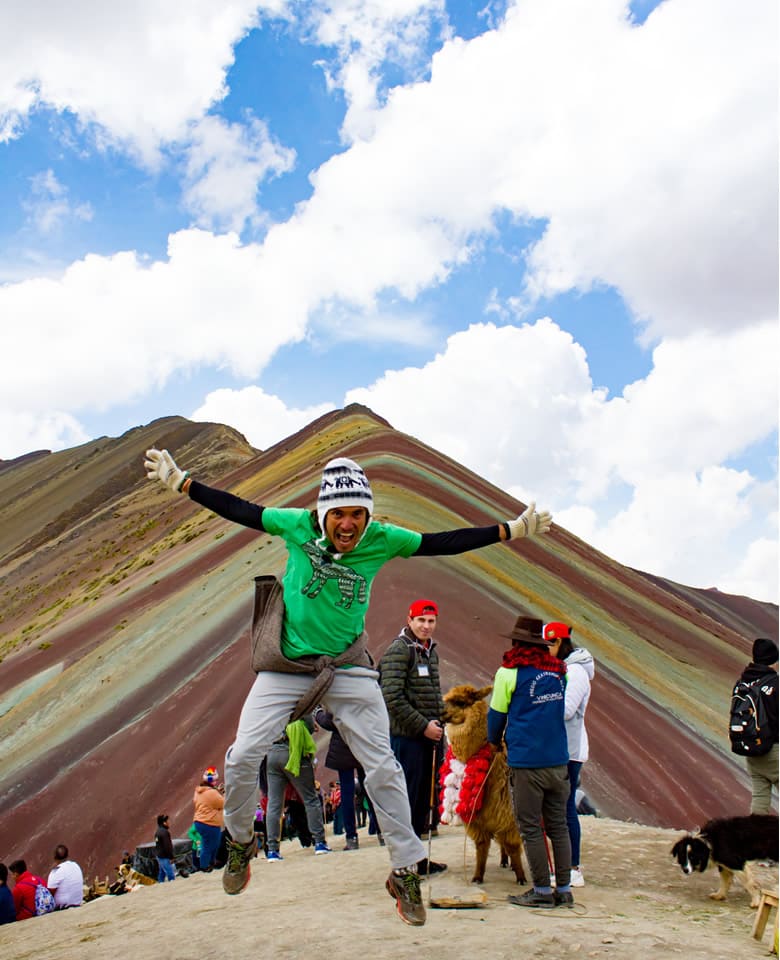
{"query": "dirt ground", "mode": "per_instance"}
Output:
(636, 904)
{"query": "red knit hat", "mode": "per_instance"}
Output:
(420, 607)
(556, 631)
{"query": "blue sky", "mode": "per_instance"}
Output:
(541, 236)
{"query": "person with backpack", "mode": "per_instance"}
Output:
(409, 678)
(753, 722)
(31, 896)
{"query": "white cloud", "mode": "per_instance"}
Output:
(225, 164)
(642, 477)
(658, 180)
(112, 328)
(368, 36)
(754, 573)
(261, 417)
(654, 166)
(25, 432)
(707, 399)
(674, 164)
(48, 205)
(140, 72)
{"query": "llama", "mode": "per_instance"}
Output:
(475, 783)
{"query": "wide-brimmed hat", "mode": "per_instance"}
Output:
(527, 630)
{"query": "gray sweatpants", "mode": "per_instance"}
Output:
(278, 778)
(359, 711)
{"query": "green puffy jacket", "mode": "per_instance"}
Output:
(412, 698)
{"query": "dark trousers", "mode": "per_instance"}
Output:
(540, 797)
(572, 818)
(347, 806)
(416, 759)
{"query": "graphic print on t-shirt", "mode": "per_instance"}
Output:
(352, 586)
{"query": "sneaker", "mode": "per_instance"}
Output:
(428, 867)
(321, 847)
(405, 888)
(352, 843)
(533, 899)
(381, 840)
(273, 856)
(563, 899)
(237, 872)
(577, 879)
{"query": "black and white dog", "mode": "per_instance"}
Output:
(729, 843)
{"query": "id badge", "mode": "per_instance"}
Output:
(422, 670)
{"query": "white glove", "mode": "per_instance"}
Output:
(529, 523)
(160, 465)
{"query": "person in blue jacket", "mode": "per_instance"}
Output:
(527, 711)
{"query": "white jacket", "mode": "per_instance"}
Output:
(579, 673)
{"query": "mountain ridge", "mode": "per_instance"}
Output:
(125, 615)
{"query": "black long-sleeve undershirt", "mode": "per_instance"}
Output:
(227, 505)
(443, 544)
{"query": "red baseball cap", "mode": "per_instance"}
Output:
(555, 631)
(420, 607)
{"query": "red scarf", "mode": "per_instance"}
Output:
(525, 655)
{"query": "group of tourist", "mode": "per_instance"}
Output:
(32, 896)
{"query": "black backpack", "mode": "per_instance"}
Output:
(749, 721)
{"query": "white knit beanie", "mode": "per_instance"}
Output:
(343, 485)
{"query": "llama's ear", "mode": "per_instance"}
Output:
(483, 692)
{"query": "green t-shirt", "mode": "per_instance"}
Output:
(326, 598)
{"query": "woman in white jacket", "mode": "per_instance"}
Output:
(579, 673)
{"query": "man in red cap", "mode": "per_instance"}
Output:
(409, 676)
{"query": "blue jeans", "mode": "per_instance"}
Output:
(572, 817)
(210, 837)
(165, 870)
